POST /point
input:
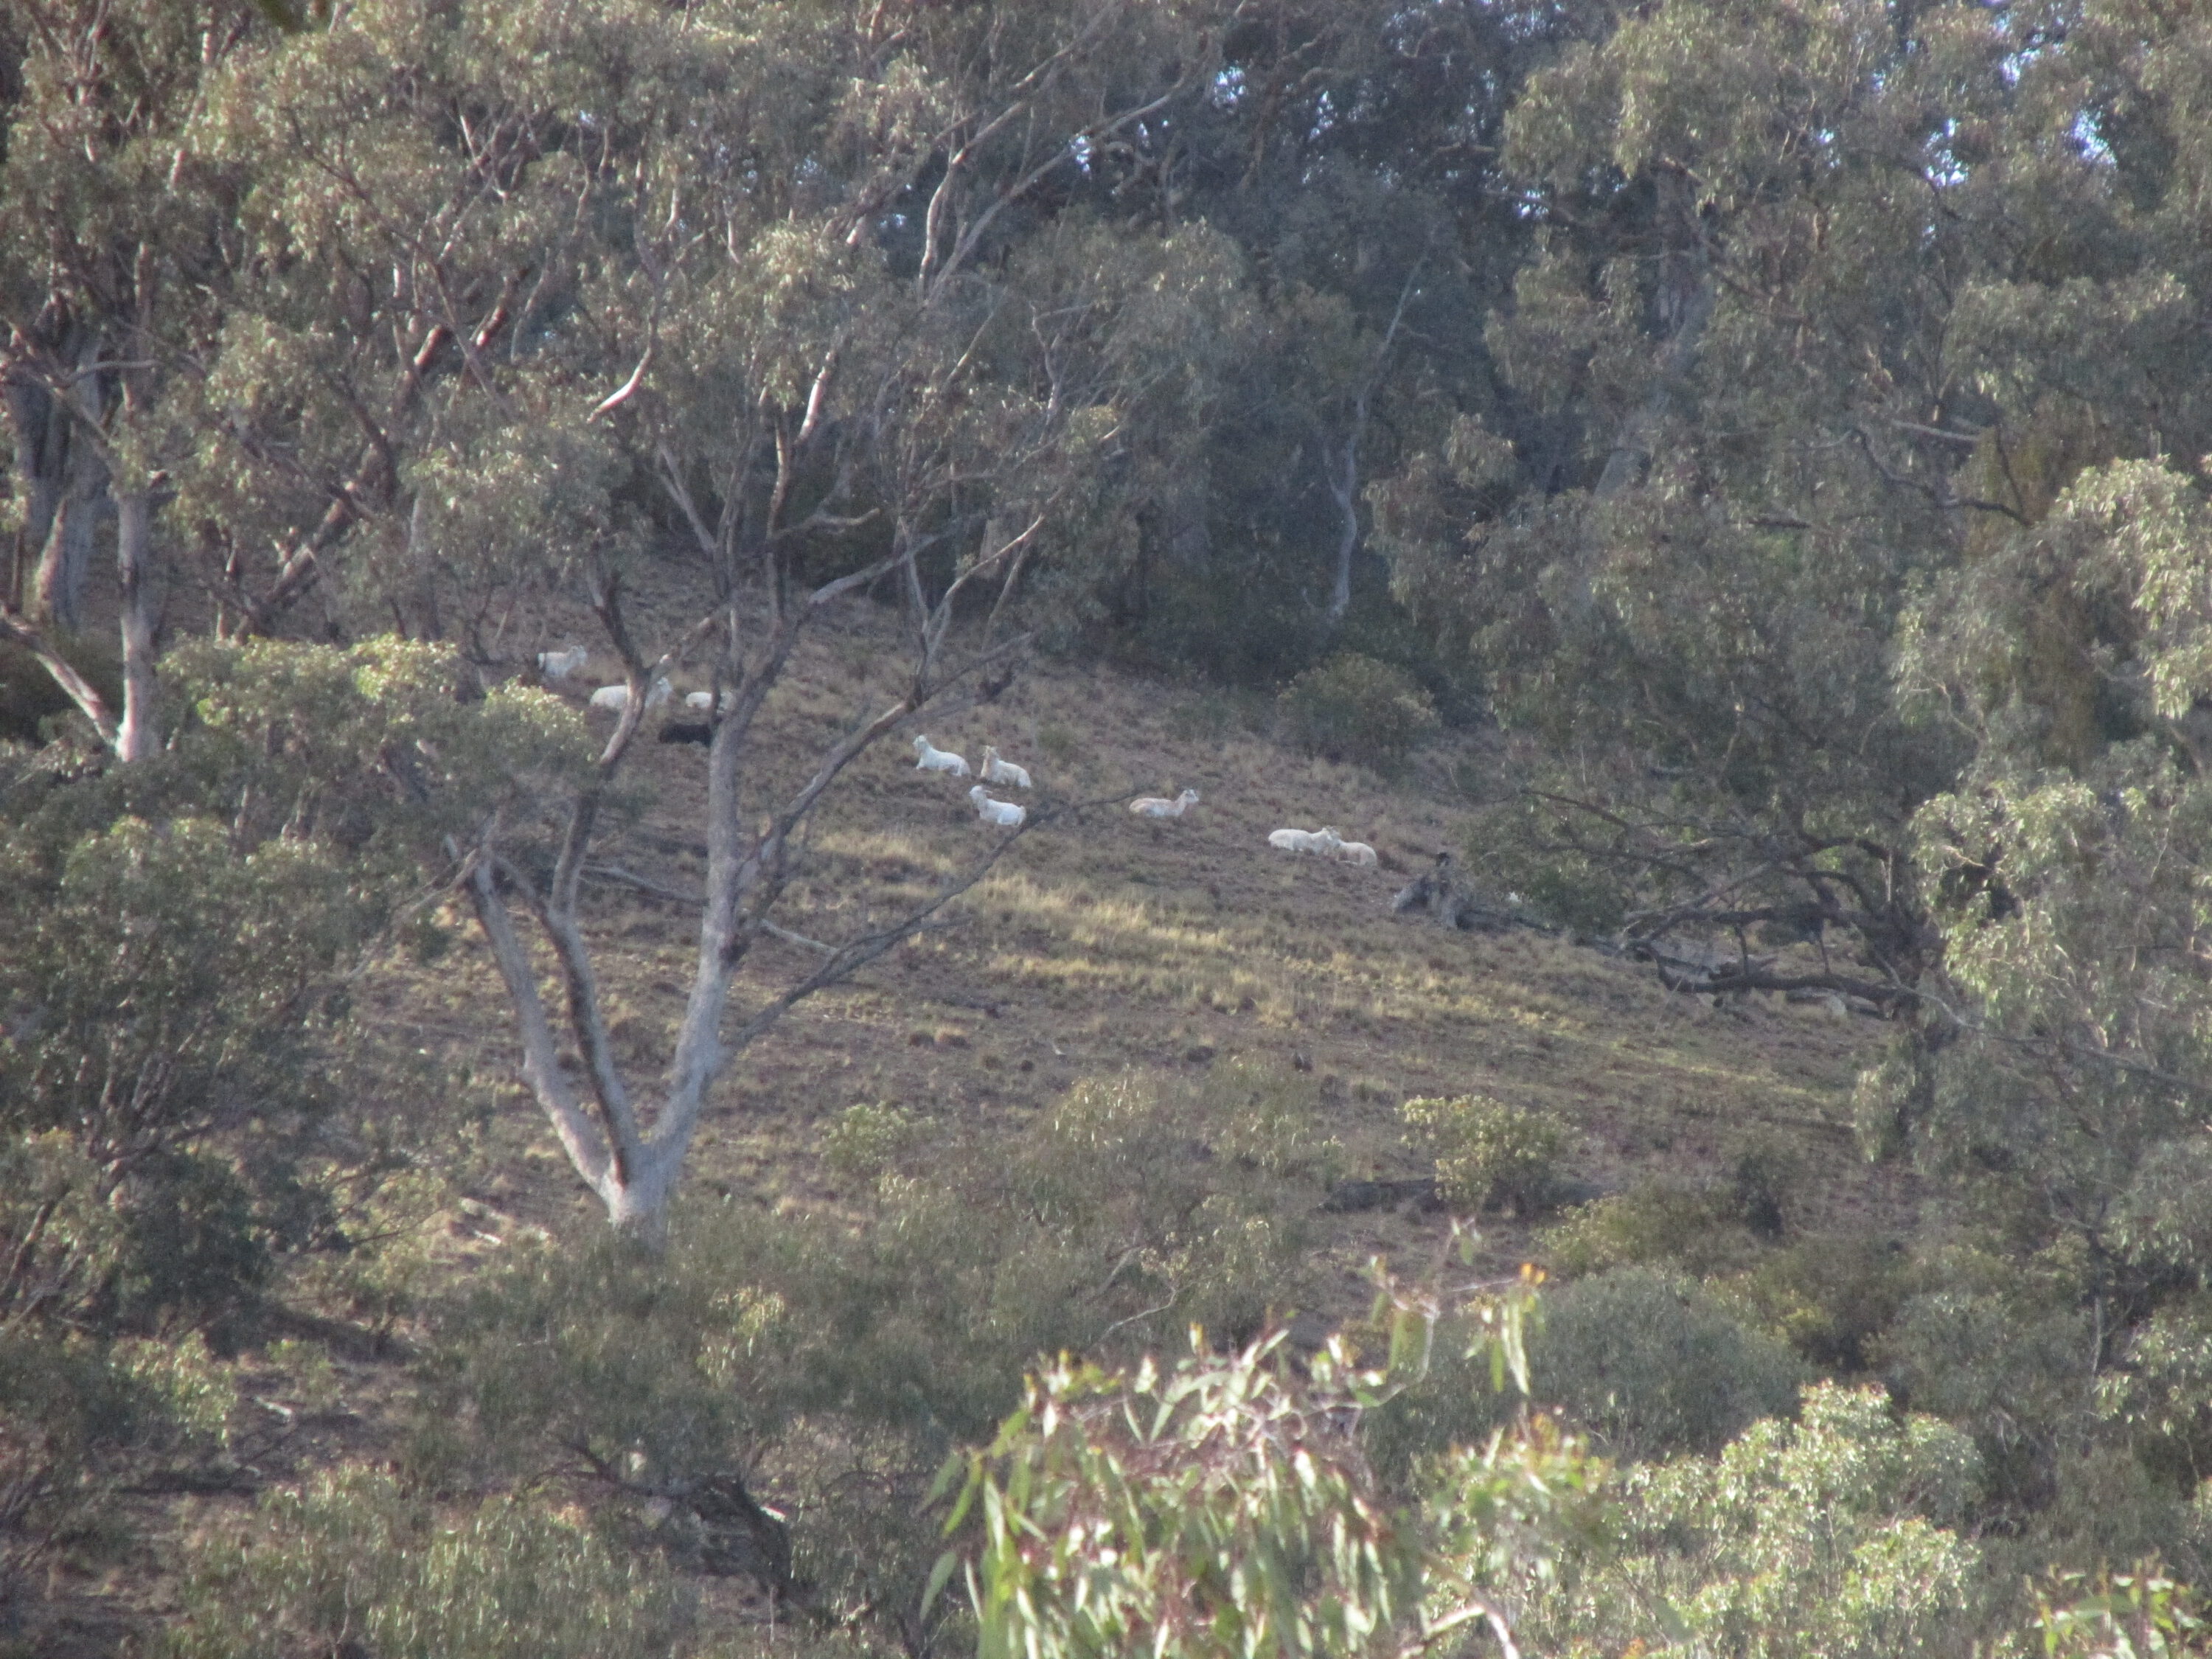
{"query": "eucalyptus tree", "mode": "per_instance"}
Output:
(110, 222)
(869, 336)
(2063, 1079)
(1743, 418)
(1352, 154)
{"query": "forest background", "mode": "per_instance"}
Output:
(1771, 436)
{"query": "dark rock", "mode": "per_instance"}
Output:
(1347, 1197)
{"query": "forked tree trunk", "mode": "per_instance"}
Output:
(632, 1166)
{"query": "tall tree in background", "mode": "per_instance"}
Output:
(1751, 240)
(111, 219)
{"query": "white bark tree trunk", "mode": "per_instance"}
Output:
(134, 516)
(633, 1163)
(1342, 475)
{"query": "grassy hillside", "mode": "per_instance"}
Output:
(1104, 942)
(1101, 944)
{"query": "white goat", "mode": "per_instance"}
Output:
(561, 665)
(1323, 841)
(700, 702)
(939, 760)
(1004, 813)
(1354, 852)
(617, 697)
(996, 770)
(1151, 806)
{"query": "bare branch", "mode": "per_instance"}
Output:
(18, 630)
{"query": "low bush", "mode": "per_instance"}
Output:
(1829, 1297)
(1653, 1223)
(1489, 1154)
(1839, 1534)
(1766, 1173)
(829, 1368)
(80, 1420)
(1354, 707)
(1656, 1365)
(2009, 1357)
(356, 1564)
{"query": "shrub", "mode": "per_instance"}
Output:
(867, 1143)
(354, 1564)
(836, 1365)
(1354, 707)
(1827, 1296)
(2006, 1355)
(1766, 1174)
(1489, 1154)
(1658, 1365)
(2142, 1612)
(1835, 1535)
(1224, 1507)
(79, 1419)
(1652, 1223)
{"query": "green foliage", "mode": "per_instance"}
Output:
(80, 1419)
(1764, 1175)
(866, 1144)
(353, 1561)
(2140, 1614)
(1836, 1535)
(180, 931)
(1656, 1366)
(1354, 707)
(1828, 1296)
(1167, 1512)
(1654, 1223)
(790, 1350)
(2163, 1392)
(1489, 1154)
(1999, 1348)
(1224, 1507)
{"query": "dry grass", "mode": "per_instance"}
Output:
(1103, 942)
(1100, 943)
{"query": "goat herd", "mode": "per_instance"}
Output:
(1005, 814)
(1325, 842)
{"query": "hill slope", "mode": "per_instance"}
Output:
(1103, 942)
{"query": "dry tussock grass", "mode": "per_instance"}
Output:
(1103, 942)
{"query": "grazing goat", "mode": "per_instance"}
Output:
(939, 760)
(562, 664)
(1151, 806)
(1323, 841)
(996, 770)
(617, 697)
(1004, 813)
